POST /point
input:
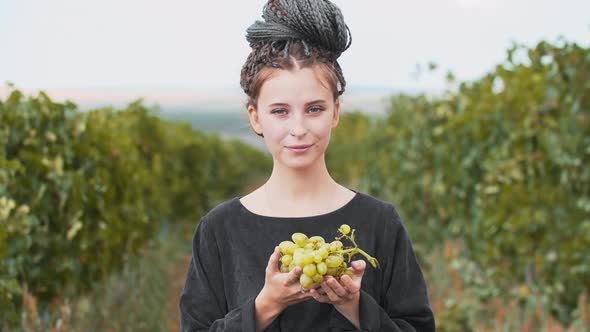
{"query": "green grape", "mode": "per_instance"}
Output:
(309, 270)
(284, 268)
(286, 247)
(286, 259)
(317, 240)
(308, 258)
(348, 272)
(324, 251)
(291, 249)
(334, 261)
(332, 271)
(317, 278)
(344, 229)
(300, 239)
(317, 257)
(305, 281)
(322, 268)
(298, 260)
(335, 246)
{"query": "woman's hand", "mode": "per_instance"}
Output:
(283, 289)
(343, 293)
(280, 291)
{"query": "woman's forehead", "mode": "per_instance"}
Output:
(299, 86)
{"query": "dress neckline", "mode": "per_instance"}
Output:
(317, 216)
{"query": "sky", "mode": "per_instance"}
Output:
(182, 44)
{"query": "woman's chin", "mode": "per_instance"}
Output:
(299, 161)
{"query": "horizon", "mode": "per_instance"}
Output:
(173, 99)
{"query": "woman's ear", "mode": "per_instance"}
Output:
(336, 115)
(254, 119)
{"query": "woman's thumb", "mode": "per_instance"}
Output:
(359, 266)
(294, 275)
(273, 261)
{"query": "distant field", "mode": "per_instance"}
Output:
(226, 124)
(221, 122)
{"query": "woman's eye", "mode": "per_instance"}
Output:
(311, 110)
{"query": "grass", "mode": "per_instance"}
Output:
(142, 297)
(457, 306)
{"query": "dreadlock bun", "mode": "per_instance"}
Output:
(317, 22)
(296, 34)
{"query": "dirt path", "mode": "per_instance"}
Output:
(177, 280)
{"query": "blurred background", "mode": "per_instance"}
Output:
(123, 122)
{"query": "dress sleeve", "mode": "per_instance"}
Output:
(203, 306)
(406, 306)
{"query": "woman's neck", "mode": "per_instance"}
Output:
(300, 185)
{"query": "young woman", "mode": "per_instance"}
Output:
(293, 82)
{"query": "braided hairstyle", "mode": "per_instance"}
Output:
(295, 33)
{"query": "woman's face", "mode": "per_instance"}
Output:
(294, 108)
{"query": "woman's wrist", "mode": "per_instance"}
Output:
(265, 311)
(350, 310)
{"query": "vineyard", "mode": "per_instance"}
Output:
(97, 208)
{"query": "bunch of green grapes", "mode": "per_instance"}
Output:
(318, 258)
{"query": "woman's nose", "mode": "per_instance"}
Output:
(297, 126)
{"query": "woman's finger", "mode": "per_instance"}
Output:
(273, 262)
(358, 268)
(293, 276)
(319, 295)
(318, 288)
(334, 298)
(305, 295)
(349, 284)
(336, 287)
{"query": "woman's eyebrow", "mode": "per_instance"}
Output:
(306, 104)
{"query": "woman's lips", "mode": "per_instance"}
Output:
(299, 148)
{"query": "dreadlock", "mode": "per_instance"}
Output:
(310, 31)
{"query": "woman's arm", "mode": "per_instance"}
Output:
(405, 305)
(203, 306)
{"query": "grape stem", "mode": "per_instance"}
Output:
(357, 250)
